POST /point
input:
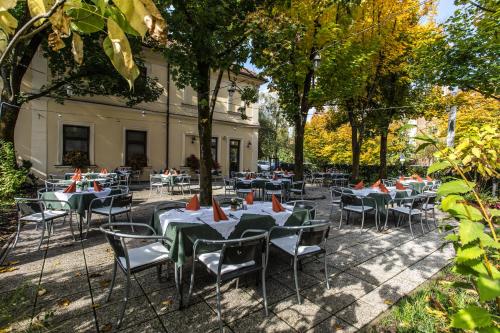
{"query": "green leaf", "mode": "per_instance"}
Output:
(495, 212)
(470, 318)
(120, 19)
(476, 152)
(422, 146)
(136, 14)
(450, 201)
(490, 329)
(487, 241)
(468, 253)
(438, 166)
(86, 19)
(464, 211)
(452, 237)
(488, 288)
(455, 186)
(470, 231)
(481, 270)
(425, 138)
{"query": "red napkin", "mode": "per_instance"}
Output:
(193, 204)
(401, 179)
(277, 207)
(376, 184)
(359, 185)
(97, 186)
(383, 189)
(218, 212)
(77, 176)
(71, 188)
(249, 198)
(400, 186)
(428, 178)
(419, 179)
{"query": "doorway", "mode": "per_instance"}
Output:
(234, 156)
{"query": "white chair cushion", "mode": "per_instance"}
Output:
(48, 214)
(406, 210)
(114, 210)
(358, 209)
(288, 243)
(147, 254)
(211, 260)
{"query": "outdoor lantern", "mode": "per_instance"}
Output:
(193, 139)
(231, 89)
(249, 144)
(316, 60)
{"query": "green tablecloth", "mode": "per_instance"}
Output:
(79, 202)
(181, 236)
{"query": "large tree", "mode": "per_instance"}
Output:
(287, 43)
(87, 48)
(206, 37)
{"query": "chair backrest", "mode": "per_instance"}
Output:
(27, 206)
(122, 200)
(335, 192)
(243, 185)
(243, 250)
(348, 199)
(168, 205)
(273, 186)
(314, 235)
(227, 201)
(308, 205)
(430, 199)
(298, 185)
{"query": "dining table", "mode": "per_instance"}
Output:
(260, 183)
(182, 227)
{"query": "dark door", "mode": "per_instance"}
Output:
(234, 156)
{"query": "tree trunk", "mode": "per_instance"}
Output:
(383, 155)
(205, 133)
(299, 148)
(8, 119)
(356, 152)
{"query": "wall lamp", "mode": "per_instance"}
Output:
(249, 144)
(193, 139)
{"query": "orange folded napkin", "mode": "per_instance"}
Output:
(249, 198)
(400, 186)
(193, 204)
(359, 185)
(428, 178)
(401, 179)
(77, 176)
(419, 179)
(383, 189)
(376, 184)
(97, 186)
(71, 188)
(415, 176)
(105, 171)
(218, 212)
(277, 207)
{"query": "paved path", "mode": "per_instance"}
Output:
(63, 286)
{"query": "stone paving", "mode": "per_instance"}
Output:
(64, 285)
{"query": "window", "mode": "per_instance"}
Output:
(135, 146)
(76, 139)
(214, 148)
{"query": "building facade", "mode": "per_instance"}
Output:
(111, 133)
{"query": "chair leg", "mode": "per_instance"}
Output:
(296, 278)
(362, 220)
(326, 273)
(112, 281)
(427, 221)
(71, 226)
(191, 284)
(18, 232)
(422, 224)
(264, 293)
(219, 314)
(125, 300)
(341, 216)
(43, 234)
(434, 217)
(409, 221)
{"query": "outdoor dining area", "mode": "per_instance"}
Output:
(255, 220)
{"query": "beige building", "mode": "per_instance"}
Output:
(110, 132)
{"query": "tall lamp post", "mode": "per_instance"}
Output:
(402, 160)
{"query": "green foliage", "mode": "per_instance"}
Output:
(476, 243)
(137, 161)
(193, 162)
(12, 177)
(76, 159)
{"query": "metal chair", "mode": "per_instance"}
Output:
(351, 203)
(335, 199)
(111, 207)
(309, 205)
(182, 182)
(272, 188)
(36, 210)
(134, 260)
(243, 188)
(156, 182)
(229, 186)
(410, 207)
(308, 241)
(298, 188)
(429, 205)
(236, 258)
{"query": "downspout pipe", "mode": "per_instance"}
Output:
(167, 118)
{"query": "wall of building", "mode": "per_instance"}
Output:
(39, 132)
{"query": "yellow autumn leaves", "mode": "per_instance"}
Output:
(74, 17)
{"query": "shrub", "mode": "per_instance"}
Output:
(12, 176)
(193, 162)
(138, 161)
(76, 159)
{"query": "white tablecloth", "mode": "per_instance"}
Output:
(224, 228)
(366, 191)
(60, 195)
